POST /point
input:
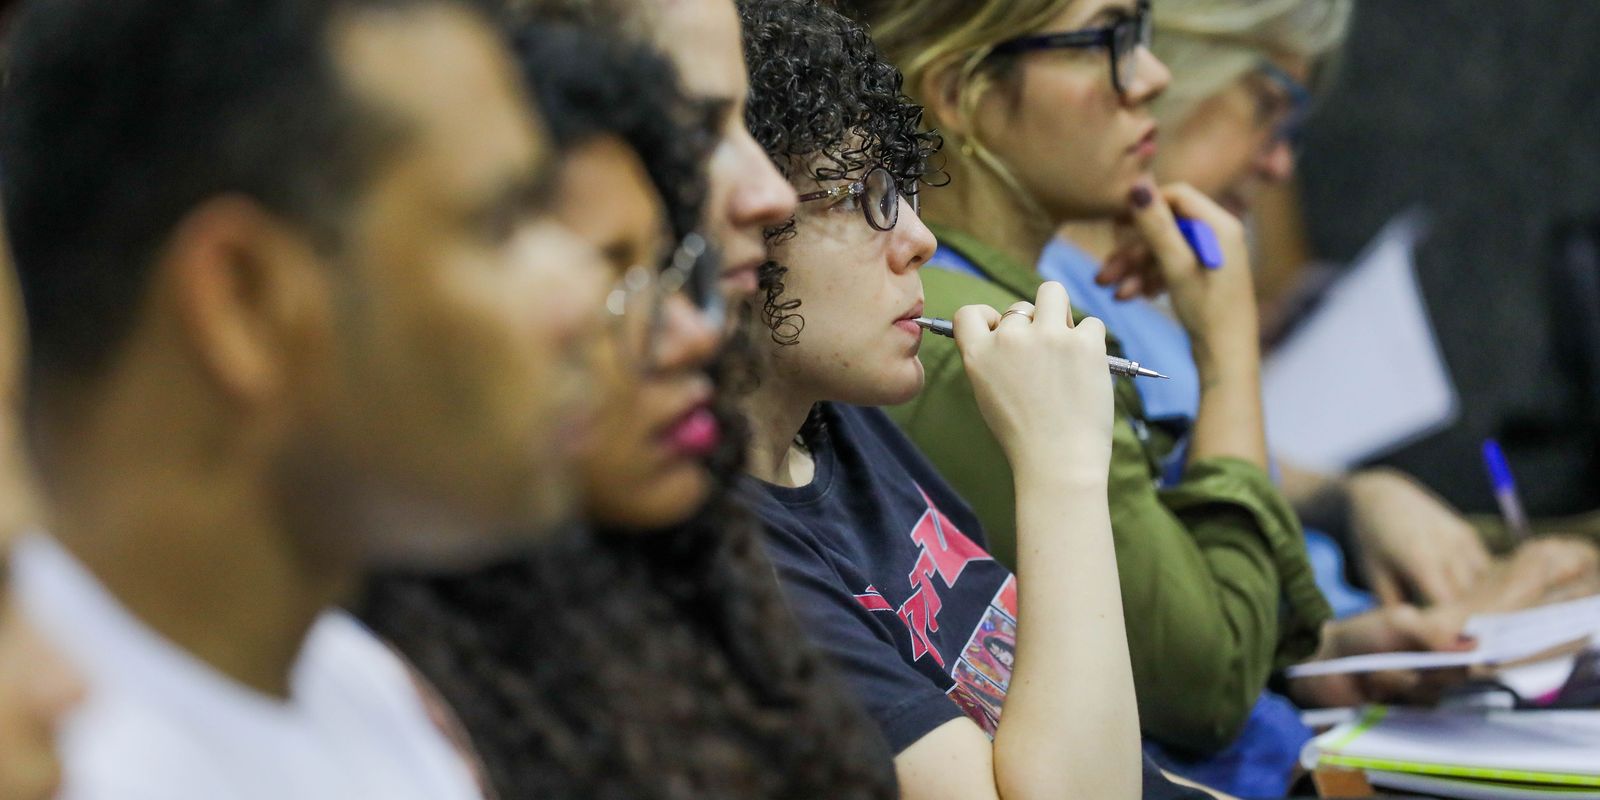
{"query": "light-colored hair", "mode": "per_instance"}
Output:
(1210, 44)
(925, 36)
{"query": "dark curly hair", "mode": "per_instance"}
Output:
(632, 664)
(825, 105)
(581, 101)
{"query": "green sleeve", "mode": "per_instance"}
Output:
(1216, 587)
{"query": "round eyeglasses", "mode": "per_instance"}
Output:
(879, 195)
(637, 302)
(1122, 40)
(1288, 114)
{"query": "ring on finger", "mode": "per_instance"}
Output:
(1021, 312)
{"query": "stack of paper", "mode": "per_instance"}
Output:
(1501, 639)
(1469, 754)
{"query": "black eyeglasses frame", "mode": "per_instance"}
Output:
(1120, 39)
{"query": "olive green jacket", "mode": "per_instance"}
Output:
(1216, 588)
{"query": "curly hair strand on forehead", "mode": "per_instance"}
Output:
(826, 106)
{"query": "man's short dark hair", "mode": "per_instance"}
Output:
(119, 118)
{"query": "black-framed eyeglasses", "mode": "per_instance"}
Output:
(1122, 40)
(879, 195)
(637, 302)
(1290, 128)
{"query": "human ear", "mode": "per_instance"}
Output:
(249, 294)
(941, 88)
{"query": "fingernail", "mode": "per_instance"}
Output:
(1140, 196)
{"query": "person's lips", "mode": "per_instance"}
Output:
(907, 322)
(1145, 147)
(741, 278)
(695, 434)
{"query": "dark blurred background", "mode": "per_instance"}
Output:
(1487, 112)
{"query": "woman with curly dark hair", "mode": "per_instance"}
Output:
(653, 657)
(884, 564)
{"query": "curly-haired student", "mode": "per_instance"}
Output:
(885, 565)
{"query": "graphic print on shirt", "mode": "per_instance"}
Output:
(978, 663)
(983, 673)
(943, 551)
(993, 647)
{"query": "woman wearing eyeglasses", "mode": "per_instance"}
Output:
(1047, 106)
(652, 657)
(985, 684)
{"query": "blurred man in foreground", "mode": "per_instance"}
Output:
(295, 309)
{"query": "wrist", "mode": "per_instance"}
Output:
(1061, 472)
(1243, 374)
(1227, 358)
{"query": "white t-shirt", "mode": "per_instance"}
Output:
(158, 724)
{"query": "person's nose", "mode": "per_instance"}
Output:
(1150, 79)
(911, 243)
(686, 339)
(1275, 163)
(762, 197)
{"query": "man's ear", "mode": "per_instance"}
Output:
(941, 89)
(249, 291)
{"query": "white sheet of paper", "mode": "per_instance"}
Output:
(1363, 374)
(1501, 639)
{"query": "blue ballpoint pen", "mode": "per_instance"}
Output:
(1202, 240)
(1505, 489)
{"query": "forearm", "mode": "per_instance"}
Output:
(1229, 422)
(1071, 722)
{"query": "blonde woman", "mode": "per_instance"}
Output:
(1245, 72)
(1047, 107)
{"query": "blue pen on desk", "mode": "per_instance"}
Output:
(1505, 489)
(1202, 240)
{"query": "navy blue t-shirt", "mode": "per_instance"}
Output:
(886, 569)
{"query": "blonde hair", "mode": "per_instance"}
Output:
(1210, 44)
(922, 37)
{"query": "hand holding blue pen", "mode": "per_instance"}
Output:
(1176, 241)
